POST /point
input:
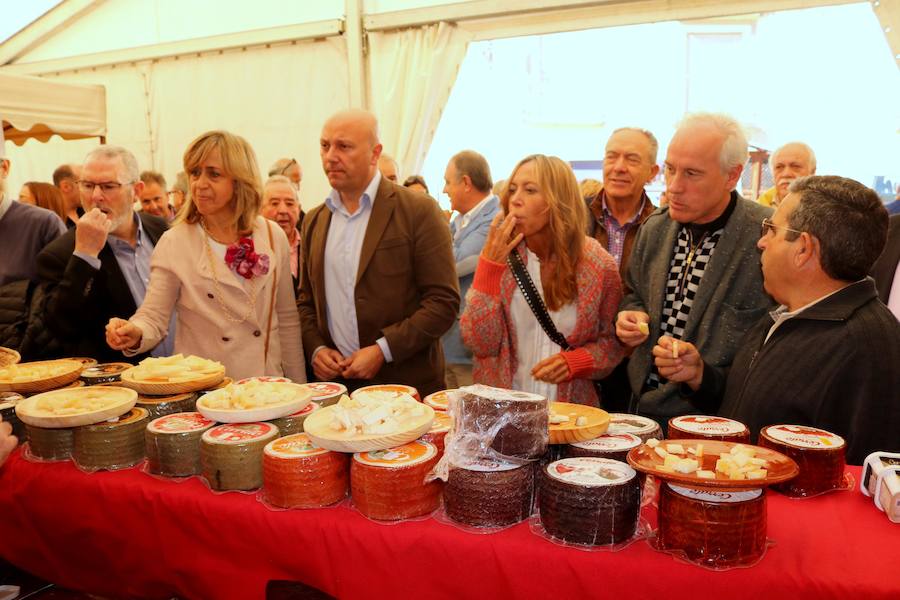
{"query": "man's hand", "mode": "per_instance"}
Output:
(91, 232)
(632, 327)
(122, 334)
(8, 441)
(678, 361)
(363, 364)
(327, 364)
(552, 370)
(500, 240)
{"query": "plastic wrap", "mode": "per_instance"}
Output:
(489, 494)
(640, 426)
(395, 388)
(299, 474)
(47, 445)
(881, 481)
(440, 427)
(160, 406)
(614, 446)
(818, 453)
(8, 401)
(231, 455)
(173, 444)
(709, 428)
(711, 528)
(104, 373)
(326, 393)
(589, 501)
(114, 444)
(439, 401)
(293, 424)
(390, 485)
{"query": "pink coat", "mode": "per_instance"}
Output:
(181, 279)
(485, 324)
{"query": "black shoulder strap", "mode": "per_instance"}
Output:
(534, 300)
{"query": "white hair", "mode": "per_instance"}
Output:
(654, 144)
(734, 150)
(280, 179)
(805, 146)
(129, 163)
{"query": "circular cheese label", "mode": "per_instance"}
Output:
(717, 496)
(326, 389)
(590, 471)
(305, 411)
(396, 389)
(263, 379)
(610, 442)
(625, 423)
(438, 400)
(135, 414)
(293, 446)
(184, 422)
(241, 433)
(802, 436)
(486, 465)
(707, 425)
(441, 423)
(9, 399)
(163, 399)
(406, 455)
(105, 369)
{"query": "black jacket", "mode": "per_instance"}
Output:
(81, 300)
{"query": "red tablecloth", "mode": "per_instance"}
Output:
(127, 534)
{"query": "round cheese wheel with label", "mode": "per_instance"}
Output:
(640, 426)
(173, 443)
(299, 474)
(820, 455)
(389, 485)
(708, 428)
(114, 444)
(489, 494)
(231, 455)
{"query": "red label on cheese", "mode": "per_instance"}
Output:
(240, 433)
(180, 423)
(264, 379)
(406, 455)
(615, 442)
(325, 389)
(802, 436)
(706, 425)
(306, 410)
(590, 471)
(390, 388)
(715, 495)
(441, 423)
(293, 446)
(625, 423)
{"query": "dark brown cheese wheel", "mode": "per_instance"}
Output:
(104, 373)
(389, 485)
(293, 423)
(820, 455)
(708, 428)
(8, 401)
(114, 444)
(515, 424)
(489, 494)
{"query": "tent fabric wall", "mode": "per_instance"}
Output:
(411, 74)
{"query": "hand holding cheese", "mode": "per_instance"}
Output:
(632, 327)
(678, 361)
(122, 334)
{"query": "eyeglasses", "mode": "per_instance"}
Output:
(768, 225)
(106, 187)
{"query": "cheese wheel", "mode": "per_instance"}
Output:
(104, 373)
(160, 406)
(173, 443)
(50, 444)
(389, 485)
(299, 474)
(231, 455)
(590, 501)
(440, 427)
(326, 393)
(390, 387)
(292, 424)
(515, 424)
(819, 454)
(640, 426)
(488, 494)
(439, 401)
(114, 444)
(614, 446)
(86, 361)
(8, 401)
(716, 529)
(709, 428)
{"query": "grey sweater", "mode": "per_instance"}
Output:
(24, 231)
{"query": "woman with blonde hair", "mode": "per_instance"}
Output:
(44, 195)
(539, 317)
(224, 269)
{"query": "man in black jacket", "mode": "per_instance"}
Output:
(828, 356)
(101, 268)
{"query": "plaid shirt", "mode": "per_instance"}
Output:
(616, 232)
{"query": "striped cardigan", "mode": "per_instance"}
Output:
(485, 324)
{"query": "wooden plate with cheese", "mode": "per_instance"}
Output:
(254, 400)
(712, 464)
(571, 423)
(39, 376)
(174, 374)
(369, 421)
(75, 406)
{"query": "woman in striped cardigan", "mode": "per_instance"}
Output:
(576, 278)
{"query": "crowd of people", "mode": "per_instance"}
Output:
(761, 311)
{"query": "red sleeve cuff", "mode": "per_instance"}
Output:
(581, 363)
(487, 276)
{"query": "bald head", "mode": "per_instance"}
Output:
(350, 150)
(389, 167)
(790, 162)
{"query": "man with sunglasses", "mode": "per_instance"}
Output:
(828, 356)
(101, 268)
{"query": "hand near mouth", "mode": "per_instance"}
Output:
(91, 232)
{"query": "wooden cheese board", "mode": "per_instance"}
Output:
(318, 427)
(39, 376)
(595, 422)
(75, 407)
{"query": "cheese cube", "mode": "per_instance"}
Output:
(661, 451)
(757, 474)
(686, 465)
(653, 442)
(702, 474)
(675, 448)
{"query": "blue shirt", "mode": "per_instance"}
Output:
(134, 262)
(343, 248)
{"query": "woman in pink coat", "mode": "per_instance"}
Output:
(224, 269)
(575, 277)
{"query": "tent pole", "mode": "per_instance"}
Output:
(356, 59)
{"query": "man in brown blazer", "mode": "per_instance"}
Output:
(379, 284)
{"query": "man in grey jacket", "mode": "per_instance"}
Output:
(694, 273)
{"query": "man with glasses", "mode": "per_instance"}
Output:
(101, 268)
(694, 272)
(828, 356)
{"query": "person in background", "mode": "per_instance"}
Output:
(44, 195)
(179, 192)
(589, 189)
(416, 183)
(467, 182)
(233, 295)
(576, 279)
(290, 168)
(66, 177)
(886, 270)
(389, 168)
(828, 356)
(280, 204)
(154, 199)
(8, 441)
(789, 162)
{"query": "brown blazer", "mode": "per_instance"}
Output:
(406, 285)
(886, 266)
